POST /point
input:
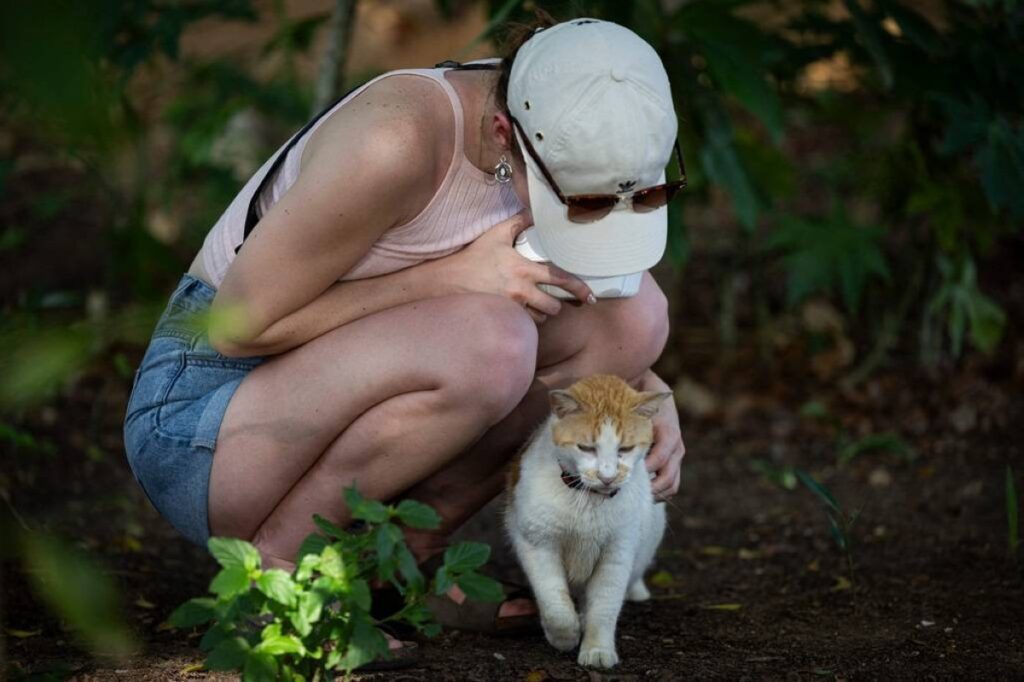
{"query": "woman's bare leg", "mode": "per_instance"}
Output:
(385, 402)
(616, 336)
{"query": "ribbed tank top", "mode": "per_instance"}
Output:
(466, 205)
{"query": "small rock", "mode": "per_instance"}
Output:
(695, 398)
(499, 656)
(964, 418)
(880, 478)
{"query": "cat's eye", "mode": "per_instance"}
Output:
(586, 448)
(625, 449)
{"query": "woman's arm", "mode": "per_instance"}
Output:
(370, 166)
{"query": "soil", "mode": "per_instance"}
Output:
(748, 582)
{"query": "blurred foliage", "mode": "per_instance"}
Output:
(927, 105)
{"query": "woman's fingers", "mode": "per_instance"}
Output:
(542, 302)
(517, 224)
(549, 273)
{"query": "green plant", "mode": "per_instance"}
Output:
(847, 447)
(840, 522)
(301, 626)
(1012, 515)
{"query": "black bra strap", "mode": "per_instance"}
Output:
(252, 216)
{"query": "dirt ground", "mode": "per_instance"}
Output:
(748, 583)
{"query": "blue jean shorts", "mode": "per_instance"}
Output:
(178, 399)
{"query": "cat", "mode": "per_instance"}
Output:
(580, 513)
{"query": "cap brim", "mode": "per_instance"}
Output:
(621, 243)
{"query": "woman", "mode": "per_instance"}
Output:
(383, 329)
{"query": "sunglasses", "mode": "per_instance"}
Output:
(586, 208)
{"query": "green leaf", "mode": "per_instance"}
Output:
(230, 582)
(214, 636)
(408, 567)
(819, 490)
(229, 654)
(77, 591)
(722, 164)
(307, 565)
(371, 511)
(366, 644)
(277, 585)
(1001, 162)
(359, 592)
(308, 610)
(281, 644)
(388, 535)
(480, 587)
(332, 564)
(466, 556)
(834, 254)
(442, 581)
(193, 612)
(873, 39)
(313, 544)
(327, 527)
(418, 515)
(259, 667)
(233, 553)
(889, 442)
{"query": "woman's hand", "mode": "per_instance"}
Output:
(491, 265)
(667, 453)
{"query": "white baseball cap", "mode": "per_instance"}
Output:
(595, 101)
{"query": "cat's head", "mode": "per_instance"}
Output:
(603, 429)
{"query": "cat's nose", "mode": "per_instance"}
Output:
(607, 480)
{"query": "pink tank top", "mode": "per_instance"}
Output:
(466, 205)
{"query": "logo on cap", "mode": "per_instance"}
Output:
(626, 186)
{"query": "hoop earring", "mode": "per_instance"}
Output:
(503, 171)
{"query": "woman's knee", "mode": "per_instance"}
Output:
(637, 328)
(494, 353)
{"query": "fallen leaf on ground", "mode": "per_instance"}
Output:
(536, 676)
(842, 583)
(748, 554)
(662, 579)
(22, 634)
(192, 668)
(144, 603)
(723, 607)
(713, 550)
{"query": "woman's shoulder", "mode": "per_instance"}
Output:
(402, 115)
(398, 133)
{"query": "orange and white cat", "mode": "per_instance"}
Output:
(581, 515)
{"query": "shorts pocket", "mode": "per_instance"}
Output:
(198, 394)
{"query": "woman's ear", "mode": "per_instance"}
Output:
(501, 130)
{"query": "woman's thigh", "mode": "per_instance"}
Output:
(288, 411)
(618, 335)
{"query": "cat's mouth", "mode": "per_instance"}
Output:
(577, 482)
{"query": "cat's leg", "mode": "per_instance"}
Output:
(605, 593)
(543, 566)
(654, 530)
(638, 591)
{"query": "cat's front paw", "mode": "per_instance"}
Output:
(562, 630)
(598, 657)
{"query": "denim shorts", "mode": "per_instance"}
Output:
(178, 399)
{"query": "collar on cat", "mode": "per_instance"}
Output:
(575, 483)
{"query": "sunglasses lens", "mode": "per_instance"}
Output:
(654, 198)
(587, 209)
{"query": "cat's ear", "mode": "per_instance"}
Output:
(648, 404)
(563, 404)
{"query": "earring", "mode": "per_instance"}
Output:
(503, 171)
